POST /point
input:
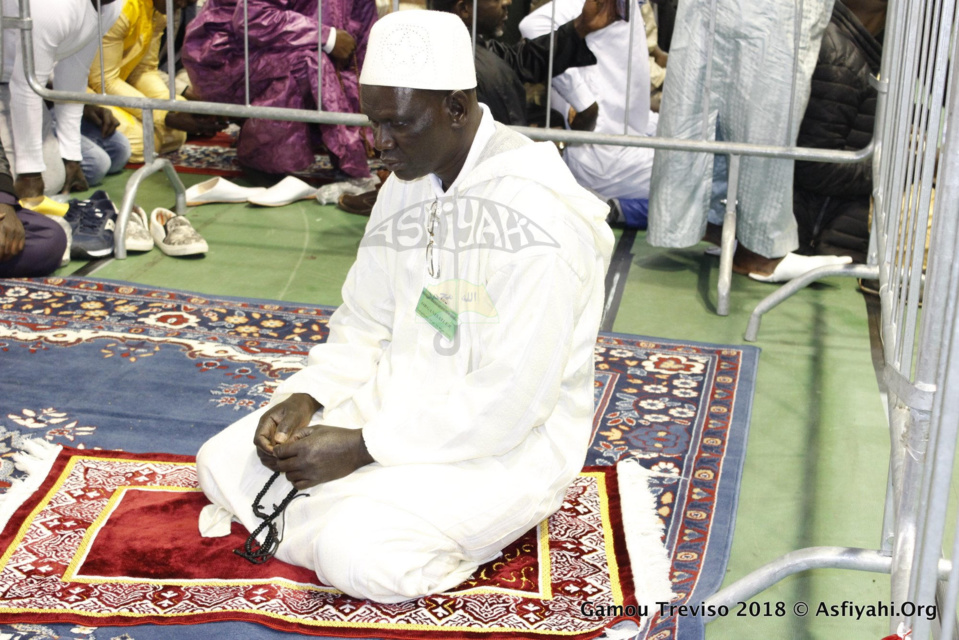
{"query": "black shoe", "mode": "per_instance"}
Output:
(615, 217)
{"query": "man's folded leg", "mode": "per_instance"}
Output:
(363, 546)
(370, 549)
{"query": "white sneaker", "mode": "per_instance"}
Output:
(137, 238)
(174, 234)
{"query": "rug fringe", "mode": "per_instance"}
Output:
(644, 536)
(35, 460)
(626, 630)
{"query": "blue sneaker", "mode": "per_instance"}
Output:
(95, 221)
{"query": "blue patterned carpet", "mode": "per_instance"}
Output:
(99, 364)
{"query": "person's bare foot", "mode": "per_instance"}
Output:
(746, 262)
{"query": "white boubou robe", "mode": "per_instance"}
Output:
(476, 438)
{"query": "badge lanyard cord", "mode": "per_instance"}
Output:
(438, 338)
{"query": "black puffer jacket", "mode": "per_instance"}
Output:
(501, 69)
(831, 201)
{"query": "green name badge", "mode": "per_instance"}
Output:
(438, 314)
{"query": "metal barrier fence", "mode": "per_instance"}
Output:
(918, 176)
(916, 229)
(152, 164)
(914, 153)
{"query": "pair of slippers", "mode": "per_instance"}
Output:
(172, 233)
(220, 190)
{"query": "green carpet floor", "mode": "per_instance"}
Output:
(818, 446)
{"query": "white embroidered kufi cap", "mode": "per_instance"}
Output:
(419, 49)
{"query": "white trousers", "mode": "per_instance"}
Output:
(386, 534)
(54, 175)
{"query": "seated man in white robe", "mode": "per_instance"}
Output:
(452, 404)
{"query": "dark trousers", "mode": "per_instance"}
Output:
(42, 251)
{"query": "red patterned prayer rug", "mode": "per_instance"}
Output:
(110, 538)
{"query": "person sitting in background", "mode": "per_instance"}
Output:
(502, 69)
(283, 39)
(657, 57)
(617, 173)
(105, 149)
(31, 244)
(129, 68)
(831, 201)
(47, 157)
(181, 21)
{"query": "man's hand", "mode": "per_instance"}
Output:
(281, 423)
(101, 117)
(661, 57)
(12, 234)
(75, 180)
(196, 124)
(190, 94)
(321, 455)
(29, 185)
(596, 15)
(343, 47)
(585, 120)
(655, 100)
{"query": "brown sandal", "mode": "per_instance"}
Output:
(361, 204)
